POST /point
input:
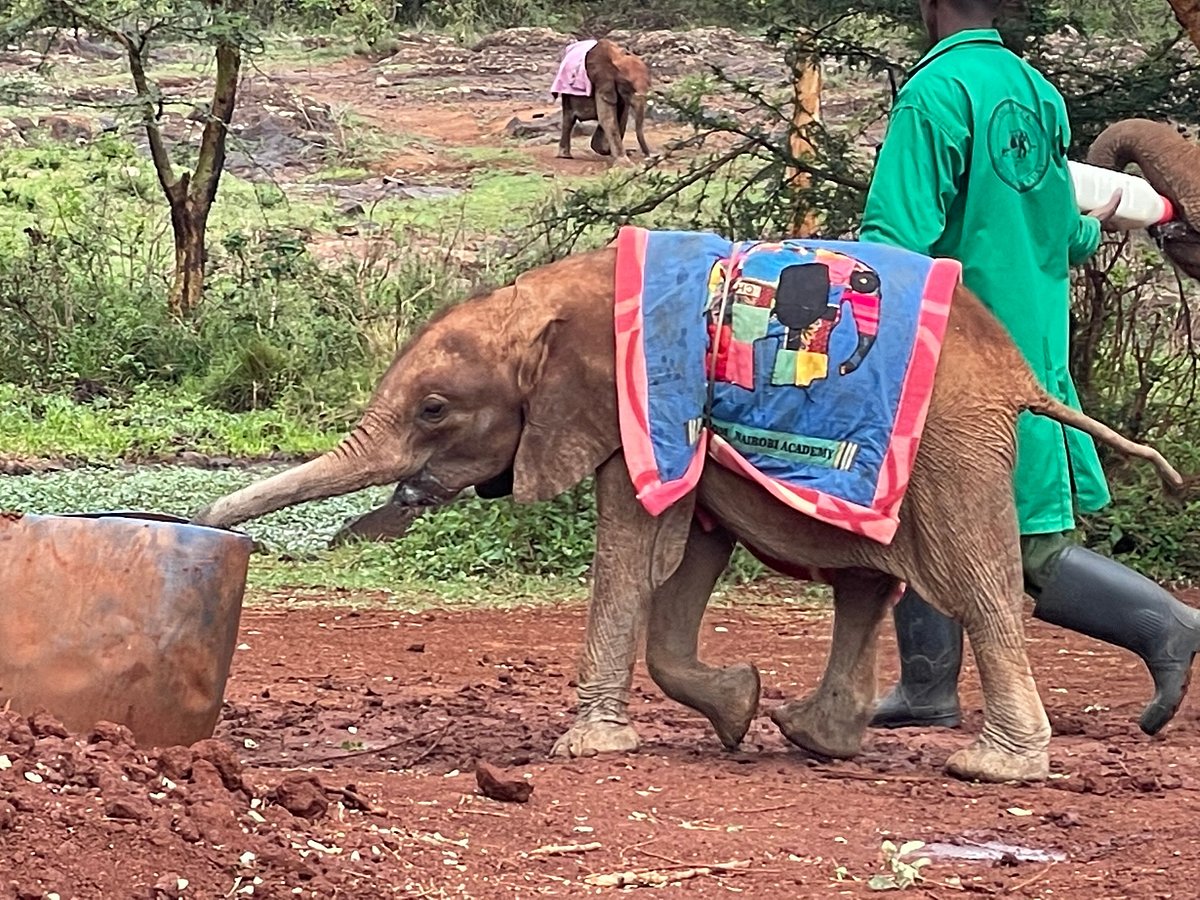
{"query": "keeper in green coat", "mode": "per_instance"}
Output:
(974, 167)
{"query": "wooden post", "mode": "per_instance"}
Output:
(806, 109)
(1188, 14)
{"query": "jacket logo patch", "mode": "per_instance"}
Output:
(1018, 146)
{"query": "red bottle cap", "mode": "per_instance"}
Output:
(1168, 212)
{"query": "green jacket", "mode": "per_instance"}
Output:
(974, 167)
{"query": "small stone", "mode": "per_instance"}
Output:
(14, 730)
(498, 785)
(175, 763)
(112, 733)
(222, 757)
(1064, 819)
(167, 887)
(133, 809)
(186, 829)
(303, 795)
(416, 648)
(8, 816)
(42, 724)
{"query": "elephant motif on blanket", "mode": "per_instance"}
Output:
(791, 295)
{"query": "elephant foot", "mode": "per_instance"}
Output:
(727, 697)
(737, 688)
(820, 728)
(563, 154)
(590, 738)
(984, 761)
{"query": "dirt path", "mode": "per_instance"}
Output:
(402, 705)
(440, 115)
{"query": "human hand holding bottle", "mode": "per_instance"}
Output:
(1106, 212)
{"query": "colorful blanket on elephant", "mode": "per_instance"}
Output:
(820, 381)
(572, 77)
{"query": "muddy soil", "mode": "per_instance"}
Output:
(389, 712)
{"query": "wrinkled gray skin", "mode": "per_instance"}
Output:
(620, 86)
(1171, 163)
(515, 391)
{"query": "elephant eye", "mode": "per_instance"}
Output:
(433, 409)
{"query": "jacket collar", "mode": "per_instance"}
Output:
(944, 46)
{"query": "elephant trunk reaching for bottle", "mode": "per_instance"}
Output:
(1171, 163)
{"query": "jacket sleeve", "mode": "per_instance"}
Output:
(917, 178)
(1085, 240)
(1085, 237)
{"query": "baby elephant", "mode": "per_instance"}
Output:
(601, 81)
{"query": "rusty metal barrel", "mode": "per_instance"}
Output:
(130, 618)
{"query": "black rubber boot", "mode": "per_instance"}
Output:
(1099, 597)
(930, 657)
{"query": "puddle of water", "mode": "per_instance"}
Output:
(989, 851)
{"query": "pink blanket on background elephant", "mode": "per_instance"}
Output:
(572, 75)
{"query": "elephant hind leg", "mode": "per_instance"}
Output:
(727, 697)
(1013, 745)
(568, 125)
(832, 721)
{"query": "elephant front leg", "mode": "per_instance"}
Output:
(635, 552)
(727, 697)
(832, 721)
(614, 624)
(639, 123)
(608, 118)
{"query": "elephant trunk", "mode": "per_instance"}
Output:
(1169, 161)
(1171, 164)
(361, 460)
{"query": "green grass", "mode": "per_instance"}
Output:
(336, 172)
(493, 204)
(482, 156)
(367, 575)
(151, 423)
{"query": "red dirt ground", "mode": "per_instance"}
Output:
(397, 707)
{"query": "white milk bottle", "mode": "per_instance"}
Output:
(1141, 206)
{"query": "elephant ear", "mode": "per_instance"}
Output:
(570, 411)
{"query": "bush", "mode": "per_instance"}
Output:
(482, 538)
(83, 279)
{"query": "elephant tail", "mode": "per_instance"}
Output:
(1044, 405)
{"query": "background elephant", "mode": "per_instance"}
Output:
(620, 85)
(514, 390)
(1171, 163)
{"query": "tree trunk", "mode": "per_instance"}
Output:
(190, 256)
(191, 199)
(1188, 14)
(806, 110)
